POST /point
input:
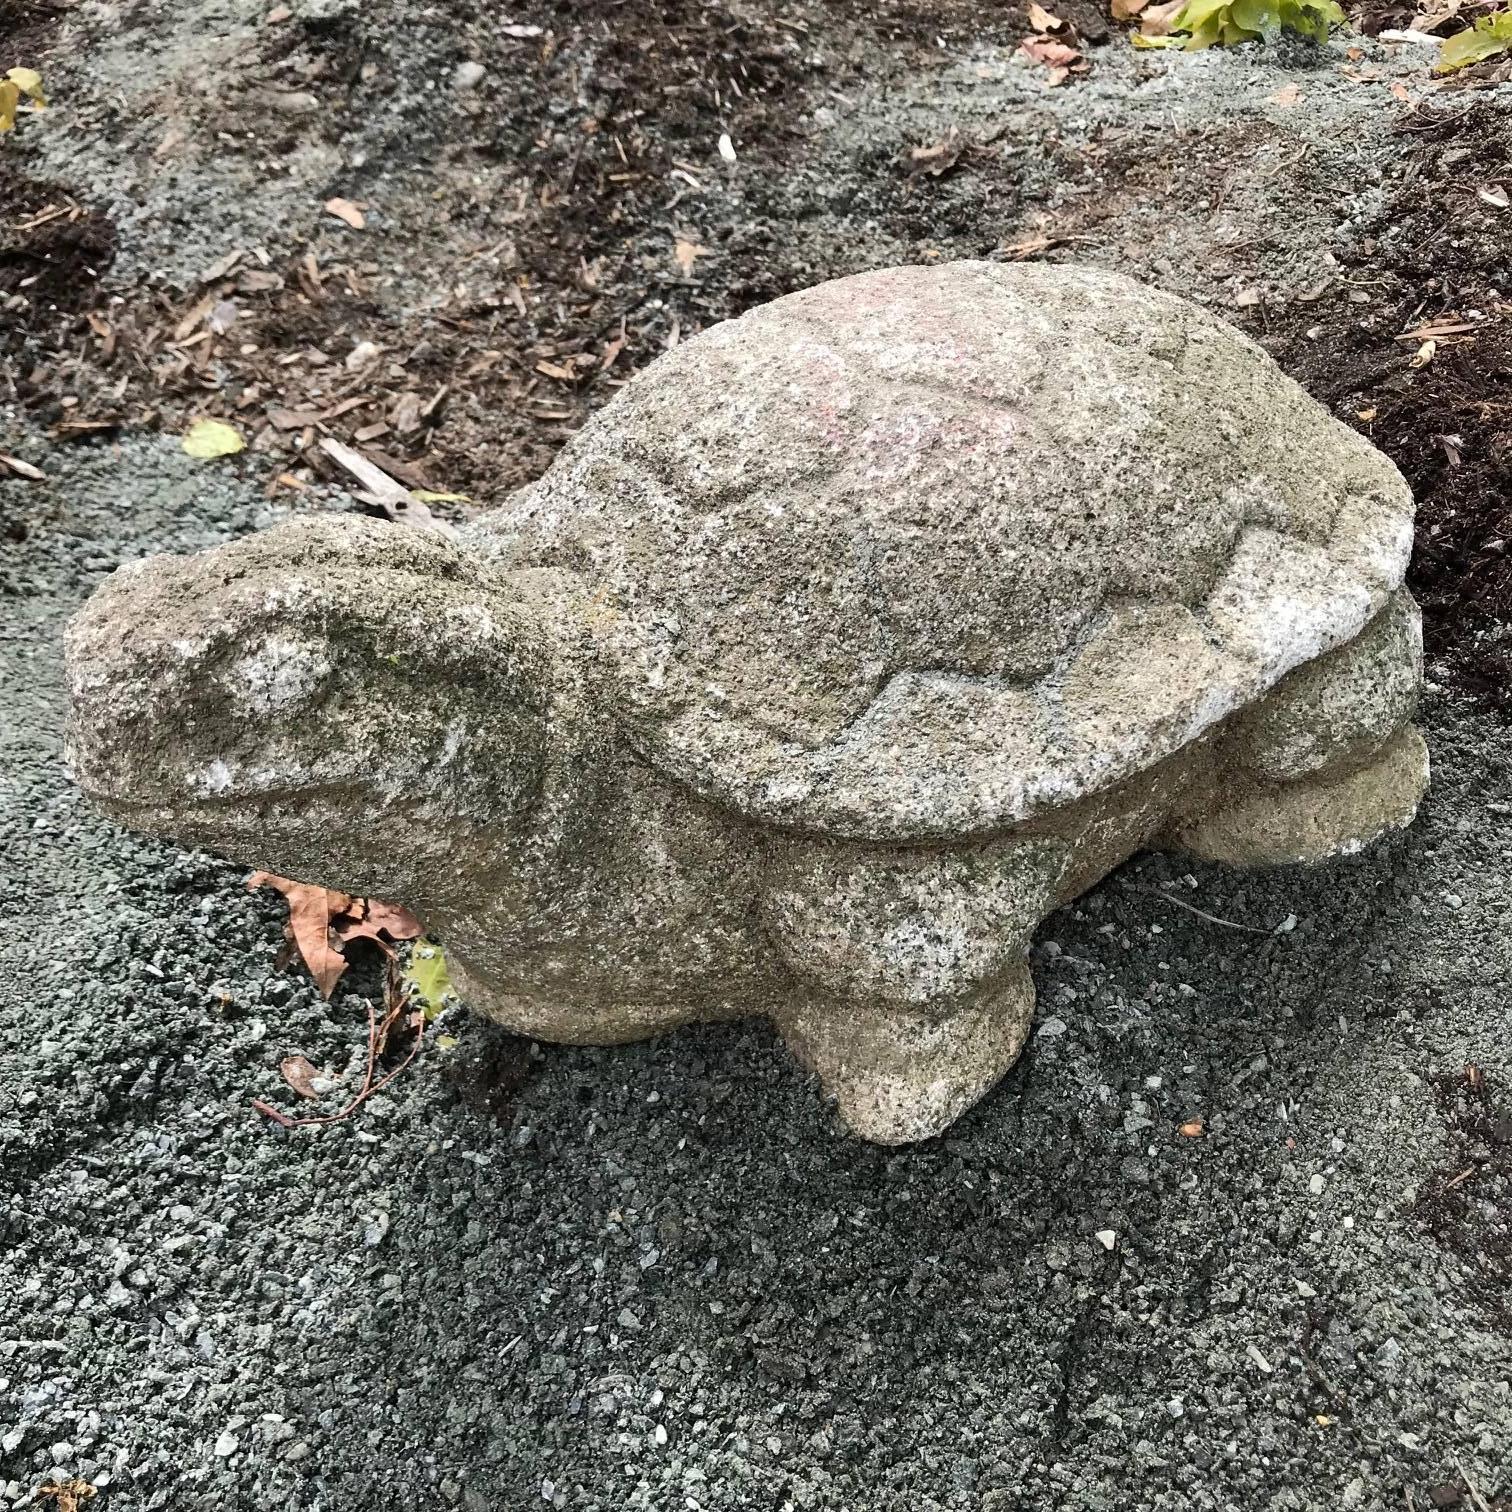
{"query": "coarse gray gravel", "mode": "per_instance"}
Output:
(663, 1277)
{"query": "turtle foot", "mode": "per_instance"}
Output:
(1330, 813)
(902, 1074)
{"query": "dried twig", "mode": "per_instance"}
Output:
(382, 491)
(1211, 918)
(378, 1033)
(1481, 1504)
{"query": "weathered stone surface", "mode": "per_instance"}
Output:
(852, 638)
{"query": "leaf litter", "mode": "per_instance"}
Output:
(322, 922)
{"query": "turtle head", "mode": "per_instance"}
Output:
(336, 699)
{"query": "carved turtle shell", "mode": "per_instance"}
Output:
(927, 551)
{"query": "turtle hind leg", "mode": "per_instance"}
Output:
(1327, 760)
(1331, 813)
(901, 1075)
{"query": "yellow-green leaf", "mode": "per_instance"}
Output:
(430, 496)
(1204, 23)
(29, 82)
(428, 978)
(1488, 37)
(10, 98)
(212, 438)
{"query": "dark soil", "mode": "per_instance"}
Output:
(1463, 1207)
(26, 27)
(1437, 258)
(53, 255)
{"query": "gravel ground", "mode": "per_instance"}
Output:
(661, 1276)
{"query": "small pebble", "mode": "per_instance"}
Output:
(467, 76)
(293, 102)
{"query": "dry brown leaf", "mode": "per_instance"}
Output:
(300, 1075)
(1288, 94)
(317, 914)
(394, 919)
(1042, 20)
(1043, 50)
(345, 210)
(372, 919)
(687, 253)
(1192, 1128)
(1155, 20)
(311, 910)
(1127, 10)
(940, 156)
(1400, 92)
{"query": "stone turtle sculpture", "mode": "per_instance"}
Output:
(852, 638)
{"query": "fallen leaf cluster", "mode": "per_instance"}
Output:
(1055, 43)
(67, 1495)
(322, 922)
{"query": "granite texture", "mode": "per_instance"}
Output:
(853, 637)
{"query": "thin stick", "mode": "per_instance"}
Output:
(1475, 1496)
(367, 1086)
(1211, 918)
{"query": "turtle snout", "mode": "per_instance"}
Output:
(172, 697)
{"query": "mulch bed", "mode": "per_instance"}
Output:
(1426, 376)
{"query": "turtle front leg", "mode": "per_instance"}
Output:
(1328, 760)
(913, 994)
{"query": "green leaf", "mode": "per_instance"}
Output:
(212, 438)
(428, 979)
(1205, 23)
(1488, 37)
